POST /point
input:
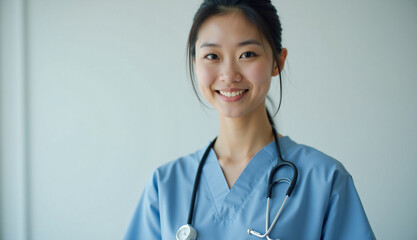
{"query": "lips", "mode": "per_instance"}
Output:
(231, 95)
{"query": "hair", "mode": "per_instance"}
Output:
(261, 13)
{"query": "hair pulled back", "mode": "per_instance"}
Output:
(261, 13)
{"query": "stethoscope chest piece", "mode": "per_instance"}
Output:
(186, 232)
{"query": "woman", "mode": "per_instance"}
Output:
(235, 49)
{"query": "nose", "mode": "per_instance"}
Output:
(230, 72)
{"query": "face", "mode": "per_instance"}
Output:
(234, 65)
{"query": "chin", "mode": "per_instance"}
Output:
(231, 114)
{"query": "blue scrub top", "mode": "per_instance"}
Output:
(324, 204)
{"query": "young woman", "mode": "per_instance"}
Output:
(220, 191)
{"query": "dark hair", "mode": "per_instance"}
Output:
(260, 13)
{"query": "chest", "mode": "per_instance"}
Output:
(223, 213)
(231, 170)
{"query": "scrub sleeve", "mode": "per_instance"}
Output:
(345, 217)
(146, 220)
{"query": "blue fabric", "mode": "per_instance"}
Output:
(324, 204)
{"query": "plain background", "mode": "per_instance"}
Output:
(95, 95)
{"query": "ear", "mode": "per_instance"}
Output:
(281, 62)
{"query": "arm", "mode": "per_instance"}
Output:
(146, 219)
(345, 216)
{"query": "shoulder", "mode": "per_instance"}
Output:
(178, 169)
(321, 178)
(313, 162)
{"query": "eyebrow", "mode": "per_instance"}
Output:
(206, 44)
(244, 43)
(249, 42)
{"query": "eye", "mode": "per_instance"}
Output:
(211, 56)
(248, 55)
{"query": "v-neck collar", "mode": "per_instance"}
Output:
(229, 201)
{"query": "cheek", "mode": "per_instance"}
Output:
(205, 76)
(260, 74)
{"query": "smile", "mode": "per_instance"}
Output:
(231, 94)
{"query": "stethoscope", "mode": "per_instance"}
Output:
(187, 232)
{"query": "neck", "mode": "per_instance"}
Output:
(240, 139)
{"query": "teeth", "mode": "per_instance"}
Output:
(232, 94)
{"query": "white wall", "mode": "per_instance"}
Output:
(94, 96)
(14, 188)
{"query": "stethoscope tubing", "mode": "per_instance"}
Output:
(271, 183)
(197, 180)
(278, 166)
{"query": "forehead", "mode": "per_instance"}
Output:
(233, 26)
